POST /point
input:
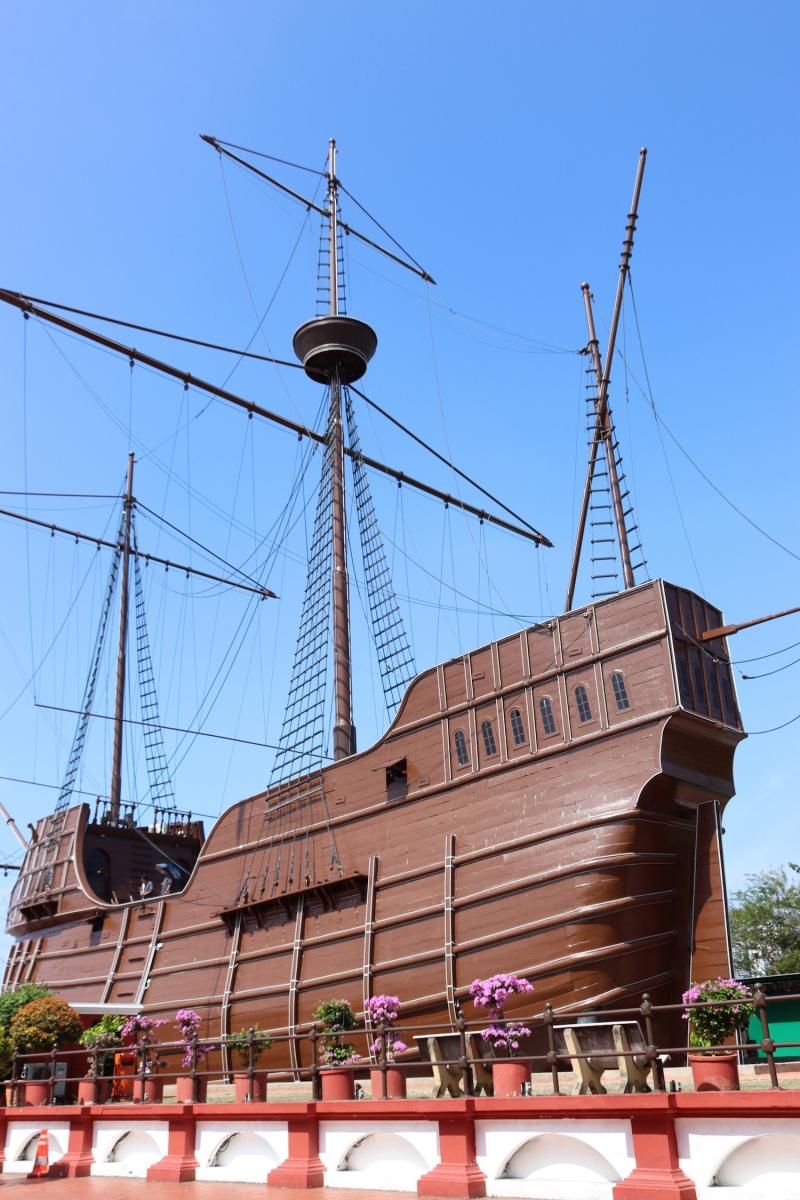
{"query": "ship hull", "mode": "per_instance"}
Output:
(588, 861)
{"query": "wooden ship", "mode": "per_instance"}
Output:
(548, 804)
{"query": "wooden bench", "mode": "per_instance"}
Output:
(609, 1046)
(443, 1052)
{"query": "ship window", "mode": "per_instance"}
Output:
(582, 701)
(620, 691)
(685, 682)
(489, 743)
(517, 727)
(546, 709)
(397, 780)
(700, 683)
(727, 695)
(462, 754)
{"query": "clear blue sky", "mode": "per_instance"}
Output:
(499, 144)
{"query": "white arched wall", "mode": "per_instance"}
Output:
(19, 1135)
(128, 1148)
(759, 1153)
(556, 1159)
(242, 1152)
(771, 1162)
(364, 1154)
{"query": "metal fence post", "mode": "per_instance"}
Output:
(466, 1069)
(51, 1086)
(552, 1056)
(767, 1043)
(251, 1062)
(316, 1091)
(646, 1009)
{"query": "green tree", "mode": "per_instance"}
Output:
(12, 1002)
(765, 923)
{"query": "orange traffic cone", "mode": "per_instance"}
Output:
(41, 1159)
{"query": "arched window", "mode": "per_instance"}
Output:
(700, 684)
(546, 709)
(489, 743)
(582, 701)
(462, 754)
(620, 691)
(517, 727)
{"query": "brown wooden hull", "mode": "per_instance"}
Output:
(587, 860)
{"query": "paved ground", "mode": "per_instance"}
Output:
(138, 1189)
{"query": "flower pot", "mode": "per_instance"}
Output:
(247, 1090)
(715, 1072)
(395, 1083)
(183, 1090)
(93, 1090)
(149, 1091)
(509, 1075)
(337, 1083)
(36, 1092)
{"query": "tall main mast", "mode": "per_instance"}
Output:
(343, 728)
(122, 652)
(335, 350)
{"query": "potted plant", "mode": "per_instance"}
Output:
(248, 1045)
(138, 1031)
(382, 1012)
(40, 1027)
(99, 1040)
(716, 1070)
(336, 1056)
(190, 1089)
(509, 1072)
(6, 1059)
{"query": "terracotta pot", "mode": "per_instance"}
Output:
(715, 1072)
(36, 1092)
(151, 1093)
(183, 1090)
(508, 1076)
(92, 1091)
(395, 1083)
(337, 1083)
(245, 1091)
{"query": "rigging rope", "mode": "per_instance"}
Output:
(648, 396)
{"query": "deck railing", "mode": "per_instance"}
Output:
(155, 1060)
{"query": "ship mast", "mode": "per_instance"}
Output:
(343, 730)
(122, 652)
(334, 350)
(604, 428)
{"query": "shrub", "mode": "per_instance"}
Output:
(6, 1055)
(188, 1022)
(12, 1002)
(240, 1044)
(44, 1023)
(493, 994)
(384, 1010)
(135, 1030)
(336, 1017)
(712, 1026)
(102, 1036)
